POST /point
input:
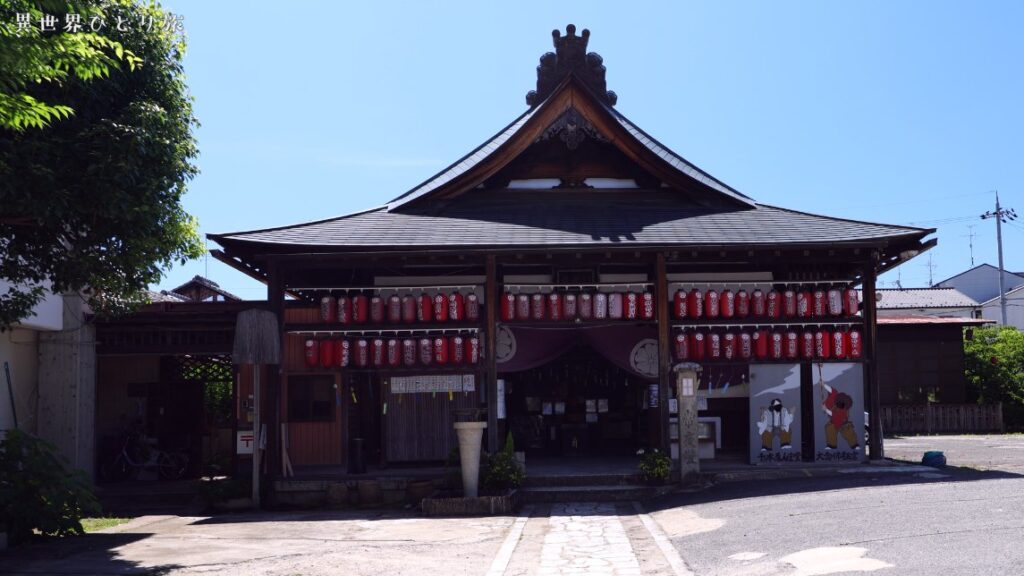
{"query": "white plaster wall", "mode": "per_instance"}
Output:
(1014, 310)
(937, 312)
(982, 283)
(20, 349)
(47, 315)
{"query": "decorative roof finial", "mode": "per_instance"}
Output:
(570, 57)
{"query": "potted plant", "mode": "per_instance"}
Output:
(655, 465)
(503, 471)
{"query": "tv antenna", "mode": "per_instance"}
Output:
(970, 240)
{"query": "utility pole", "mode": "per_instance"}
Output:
(970, 241)
(1001, 215)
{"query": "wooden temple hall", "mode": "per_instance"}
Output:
(551, 282)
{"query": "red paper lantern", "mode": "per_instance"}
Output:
(777, 347)
(714, 346)
(409, 352)
(456, 307)
(344, 309)
(600, 306)
(441, 350)
(342, 353)
(711, 304)
(631, 306)
(758, 305)
(774, 304)
(457, 347)
(742, 304)
(746, 346)
(851, 302)
(760, 339)
(695, 304)
(522, 307)
(729, 346)
(789, 303)
(472, 307)
(508, 307)
(679, 304)
(394, 314)
(807, 345)
(727, 303)
(570, 310)
(647, 306)
(328, 309)
(803, 304)
(394, 352)
(819, 305)
(425, 308)
(792, 345)
(856, 347)
(839, 347)
(377, 310)
(360, 309)
(327, 353)
(312, 352)
(586, 306)
(472, 350)
(537, 307)
(555, 306)
(682, 346)
(408, 309)
(697, 346)
(835, 302)
(426, 347)
(361, 358)
(440, 308)
(616, 306)
(822, 344)
(377, 352)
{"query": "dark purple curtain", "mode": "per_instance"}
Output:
(632, 348)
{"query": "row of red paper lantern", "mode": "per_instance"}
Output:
(820, 344)
(556, 306)
(394, 309)
(393, 352)
(806, 302)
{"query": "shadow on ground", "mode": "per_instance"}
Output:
(77, 555)
(859, 479)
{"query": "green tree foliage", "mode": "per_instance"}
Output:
(994, 362)
(39, 490)
(96, 150)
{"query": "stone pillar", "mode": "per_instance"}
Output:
(470, 438)
(686, 393)
(66, 415)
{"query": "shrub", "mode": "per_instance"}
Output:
(222, 489)
(40, 491)
(501, 470)
(994, 365)
(654, 465)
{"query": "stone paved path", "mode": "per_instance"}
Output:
(587, 538)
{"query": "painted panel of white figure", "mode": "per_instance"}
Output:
(774, 413)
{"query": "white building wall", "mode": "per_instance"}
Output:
(937, 312)
(1014, 310)
(982, 283)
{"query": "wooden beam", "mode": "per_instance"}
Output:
(491, 336)
(872, 394)
(664, 361)
(275, 299)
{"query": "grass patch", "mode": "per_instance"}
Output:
(94, 524)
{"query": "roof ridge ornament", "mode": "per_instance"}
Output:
(570, 57)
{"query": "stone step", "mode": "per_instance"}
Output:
(582, 480)
(587, 493)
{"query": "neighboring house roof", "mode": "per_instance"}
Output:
(545, 218)
(979, 266)
(199, 282)
(165, 296)
(895, 299)
(1008, 292)
(924, 320)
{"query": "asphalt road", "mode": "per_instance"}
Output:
(960, 521)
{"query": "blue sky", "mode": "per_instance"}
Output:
(898, 112)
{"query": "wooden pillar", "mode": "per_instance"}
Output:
(491, 348)
(661, 297)
(272, 419)
(871, 390)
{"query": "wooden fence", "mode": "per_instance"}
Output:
(942, 418)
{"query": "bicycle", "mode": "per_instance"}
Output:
(138, 453)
